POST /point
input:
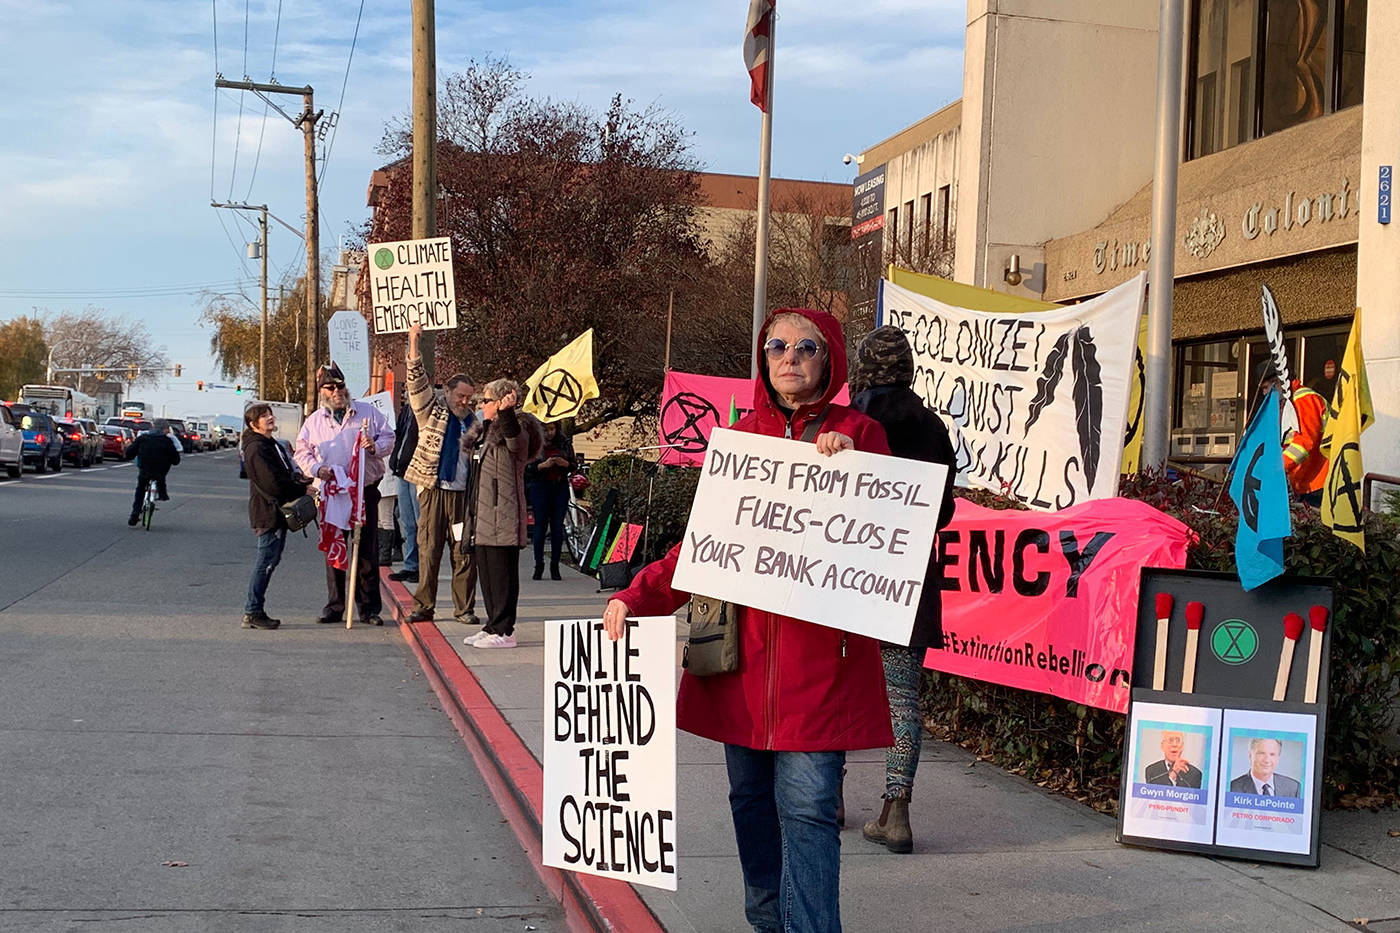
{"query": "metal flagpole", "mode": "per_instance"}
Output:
(765, 171)
(1161, 272)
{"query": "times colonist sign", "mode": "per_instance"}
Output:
(411, 283)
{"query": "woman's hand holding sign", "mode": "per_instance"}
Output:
(833, 442)
(615, 617)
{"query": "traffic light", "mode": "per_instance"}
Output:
(102, 373)
(177, 370)
(237, 390)
(199, 386)
(132, 372)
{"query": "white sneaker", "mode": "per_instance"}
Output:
(471, 640)
(492, 640)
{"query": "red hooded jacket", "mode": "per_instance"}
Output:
(800, 686)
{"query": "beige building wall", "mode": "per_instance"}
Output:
(1378, 247)
(920, 161)
(1057, 126)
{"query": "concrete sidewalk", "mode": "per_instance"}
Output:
(992, 851)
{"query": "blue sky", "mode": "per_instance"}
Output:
(112, 148)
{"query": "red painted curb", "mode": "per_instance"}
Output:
(516, 780)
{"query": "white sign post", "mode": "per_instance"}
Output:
(610, 750)
(347, 334)
(411, 283)
(842, 541)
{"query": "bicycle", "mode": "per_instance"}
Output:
(148, 507)
(578, 524)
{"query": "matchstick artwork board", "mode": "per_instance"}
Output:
(1226, 770)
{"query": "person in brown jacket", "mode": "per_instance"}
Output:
(511, 438)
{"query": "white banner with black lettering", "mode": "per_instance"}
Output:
(1036, 402)
(610, 750)
(842, 541)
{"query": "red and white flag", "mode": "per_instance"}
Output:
(758, 43)
(342, 503)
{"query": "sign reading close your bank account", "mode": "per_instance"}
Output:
(411, 283)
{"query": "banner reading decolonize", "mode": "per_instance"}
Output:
(692, 406)
(1036, 402)
(1048, 602)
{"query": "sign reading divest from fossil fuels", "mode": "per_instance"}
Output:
(842, 541)
(610, 750)
(410, 282)
(1036, 402)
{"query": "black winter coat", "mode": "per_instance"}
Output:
(405, 441)
(155, 453)
(271, 481)
(916, 433)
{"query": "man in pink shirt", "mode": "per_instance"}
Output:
(339, 413)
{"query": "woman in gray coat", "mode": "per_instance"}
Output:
(509, 439)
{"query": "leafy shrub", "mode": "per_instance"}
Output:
(1078, 749)
(671, 490)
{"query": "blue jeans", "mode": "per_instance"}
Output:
(269, 555)
(408, 524)
(784, 809)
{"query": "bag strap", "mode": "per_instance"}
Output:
(809, 433)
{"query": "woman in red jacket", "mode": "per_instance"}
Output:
(804, 694)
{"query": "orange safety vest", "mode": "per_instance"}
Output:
(1303, 461)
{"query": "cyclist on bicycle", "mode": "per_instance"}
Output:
(154, 455)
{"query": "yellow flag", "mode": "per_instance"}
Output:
(561, 385)
(1348, 415)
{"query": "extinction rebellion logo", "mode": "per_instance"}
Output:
(1234, 641)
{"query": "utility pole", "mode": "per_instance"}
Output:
(425, 143)
(307, 122)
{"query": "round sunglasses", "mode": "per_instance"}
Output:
(805, 349)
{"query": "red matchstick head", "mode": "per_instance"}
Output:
(1317, 618)
(1292, 626)
(1195, 614)
(1164, 605)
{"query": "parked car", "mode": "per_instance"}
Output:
(115, 440)
(204, 434)
(77, 449)
(11, 442)
(228, 437)
(43, 444)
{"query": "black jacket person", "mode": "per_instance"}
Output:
(155, 453)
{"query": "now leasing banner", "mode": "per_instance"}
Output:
(692, 406)
(842, 541)
(1036, 402)
(610, 750)
(1048, 602)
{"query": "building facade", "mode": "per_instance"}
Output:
(1291, 108)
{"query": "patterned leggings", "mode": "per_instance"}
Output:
(904, 670)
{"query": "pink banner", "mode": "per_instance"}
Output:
(1048, 601)
(692, 406)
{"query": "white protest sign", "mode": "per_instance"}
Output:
(842, 541)
(1036, 402)
(384, 403)
(610, 750)
(410, 282)
(347, 335)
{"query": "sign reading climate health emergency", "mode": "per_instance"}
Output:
(692, 406)
(410, 282)
(842, 541)
(1048, 602)
(610, 750)
(1036, 402)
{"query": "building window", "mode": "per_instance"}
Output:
(909, 231)
(944, 220)
(925, 224)
(1260, 66)
(892, 225)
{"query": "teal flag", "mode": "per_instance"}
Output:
(1260, 491)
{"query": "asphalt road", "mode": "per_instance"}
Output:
(165, 769)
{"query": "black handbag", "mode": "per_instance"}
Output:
(298, 513)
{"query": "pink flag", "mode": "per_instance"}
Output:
(757, 44)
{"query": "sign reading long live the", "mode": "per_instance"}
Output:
(610, 750)
(410, 282)
(842, 541)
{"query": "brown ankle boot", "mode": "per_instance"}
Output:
(892, 827)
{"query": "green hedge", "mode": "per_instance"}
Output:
(671, 490)
(1078, 749)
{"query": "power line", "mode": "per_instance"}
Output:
(151, 291)
(343, 84)
(214, 131)
(272, 76)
